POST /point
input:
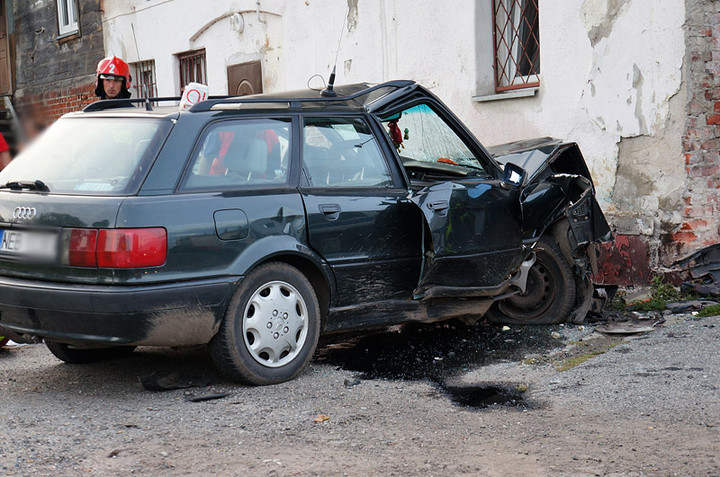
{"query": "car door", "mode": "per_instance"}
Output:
(474, 218)
(360, 218)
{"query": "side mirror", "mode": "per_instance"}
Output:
(513, 175)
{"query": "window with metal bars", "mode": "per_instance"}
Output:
(193, 68)
(144, 81)
(517, 44)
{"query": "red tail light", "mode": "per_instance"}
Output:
(131, 248)
(81, 247)
(116, 248)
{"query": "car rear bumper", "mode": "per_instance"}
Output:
(177, 314)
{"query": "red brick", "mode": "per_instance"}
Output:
(684, 237)
(694, 224)
(702, 170)
(713, 119)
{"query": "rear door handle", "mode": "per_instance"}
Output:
(331, 211)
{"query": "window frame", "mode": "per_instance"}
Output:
(184, 59)
(290, 175)
(510, 53)
(140, 68)
(70, 9)
(396, 176)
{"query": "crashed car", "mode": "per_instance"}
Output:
(254, 224)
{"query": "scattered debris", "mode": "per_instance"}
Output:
(688, 306)
(352, 382)
(703, 267)
(207, 397)
(506, 328)
(556, 335)
(113, 453)
(625, 328)
(176, 380)
(321, 418)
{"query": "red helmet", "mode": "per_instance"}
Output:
(114, 67)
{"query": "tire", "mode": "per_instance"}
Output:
(72, 355)
(271, 328)
(550, 293)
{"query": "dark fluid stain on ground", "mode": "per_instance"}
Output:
(434, 352)
(485, 396)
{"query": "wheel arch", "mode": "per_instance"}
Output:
(288, 249)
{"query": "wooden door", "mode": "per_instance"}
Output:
(5, 76)
(245, 78)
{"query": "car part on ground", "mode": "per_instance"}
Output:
(253, 224)
(78, 355)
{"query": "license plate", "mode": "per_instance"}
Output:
(41, 245)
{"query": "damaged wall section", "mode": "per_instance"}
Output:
(701, 139)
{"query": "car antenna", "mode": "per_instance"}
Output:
(329, 92)
(143, 89)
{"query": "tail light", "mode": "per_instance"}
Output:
(117, 248)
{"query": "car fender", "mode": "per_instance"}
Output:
(276, 246)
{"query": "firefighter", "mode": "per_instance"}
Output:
(113, 79)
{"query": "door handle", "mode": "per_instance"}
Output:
(331, 211)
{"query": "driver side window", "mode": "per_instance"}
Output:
(342, 152)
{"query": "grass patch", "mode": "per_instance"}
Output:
(711, 310)
(570, 363)
(662, 293)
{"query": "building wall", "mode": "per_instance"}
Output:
(701, 141)
(611, 80)
(55, 76)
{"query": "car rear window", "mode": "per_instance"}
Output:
(91, 156)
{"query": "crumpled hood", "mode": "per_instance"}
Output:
(534, 155)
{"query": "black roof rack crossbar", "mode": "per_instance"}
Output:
(208, 104)
(102, 105)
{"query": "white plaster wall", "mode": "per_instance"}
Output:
(595, 95)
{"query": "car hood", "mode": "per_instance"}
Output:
(533, 155)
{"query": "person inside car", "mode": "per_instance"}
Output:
(113, 79)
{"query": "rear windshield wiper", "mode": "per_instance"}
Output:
(30, 185)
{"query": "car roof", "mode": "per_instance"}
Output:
(349, 97)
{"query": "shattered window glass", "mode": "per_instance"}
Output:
(419, 134)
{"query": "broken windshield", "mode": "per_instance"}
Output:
(421, 136)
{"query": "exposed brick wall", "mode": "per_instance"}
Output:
(53, 104)
(701, 142)
(55, 76)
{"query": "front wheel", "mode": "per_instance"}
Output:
(550, 293)
(271, 329)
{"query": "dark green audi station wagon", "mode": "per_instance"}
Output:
(254, 224)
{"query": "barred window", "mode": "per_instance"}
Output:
(144, 79)
(517, 44)
(192, 68)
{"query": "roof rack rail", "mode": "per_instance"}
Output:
(210, 102)
(103, 104)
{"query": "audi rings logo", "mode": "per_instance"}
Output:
(24, 213)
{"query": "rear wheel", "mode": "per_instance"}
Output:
(73, 355)
(550, 293)
(271, 328)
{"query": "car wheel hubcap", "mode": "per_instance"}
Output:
(275, 324)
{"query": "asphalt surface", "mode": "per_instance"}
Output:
(421, 400)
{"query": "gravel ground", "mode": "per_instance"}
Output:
(388, 404)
